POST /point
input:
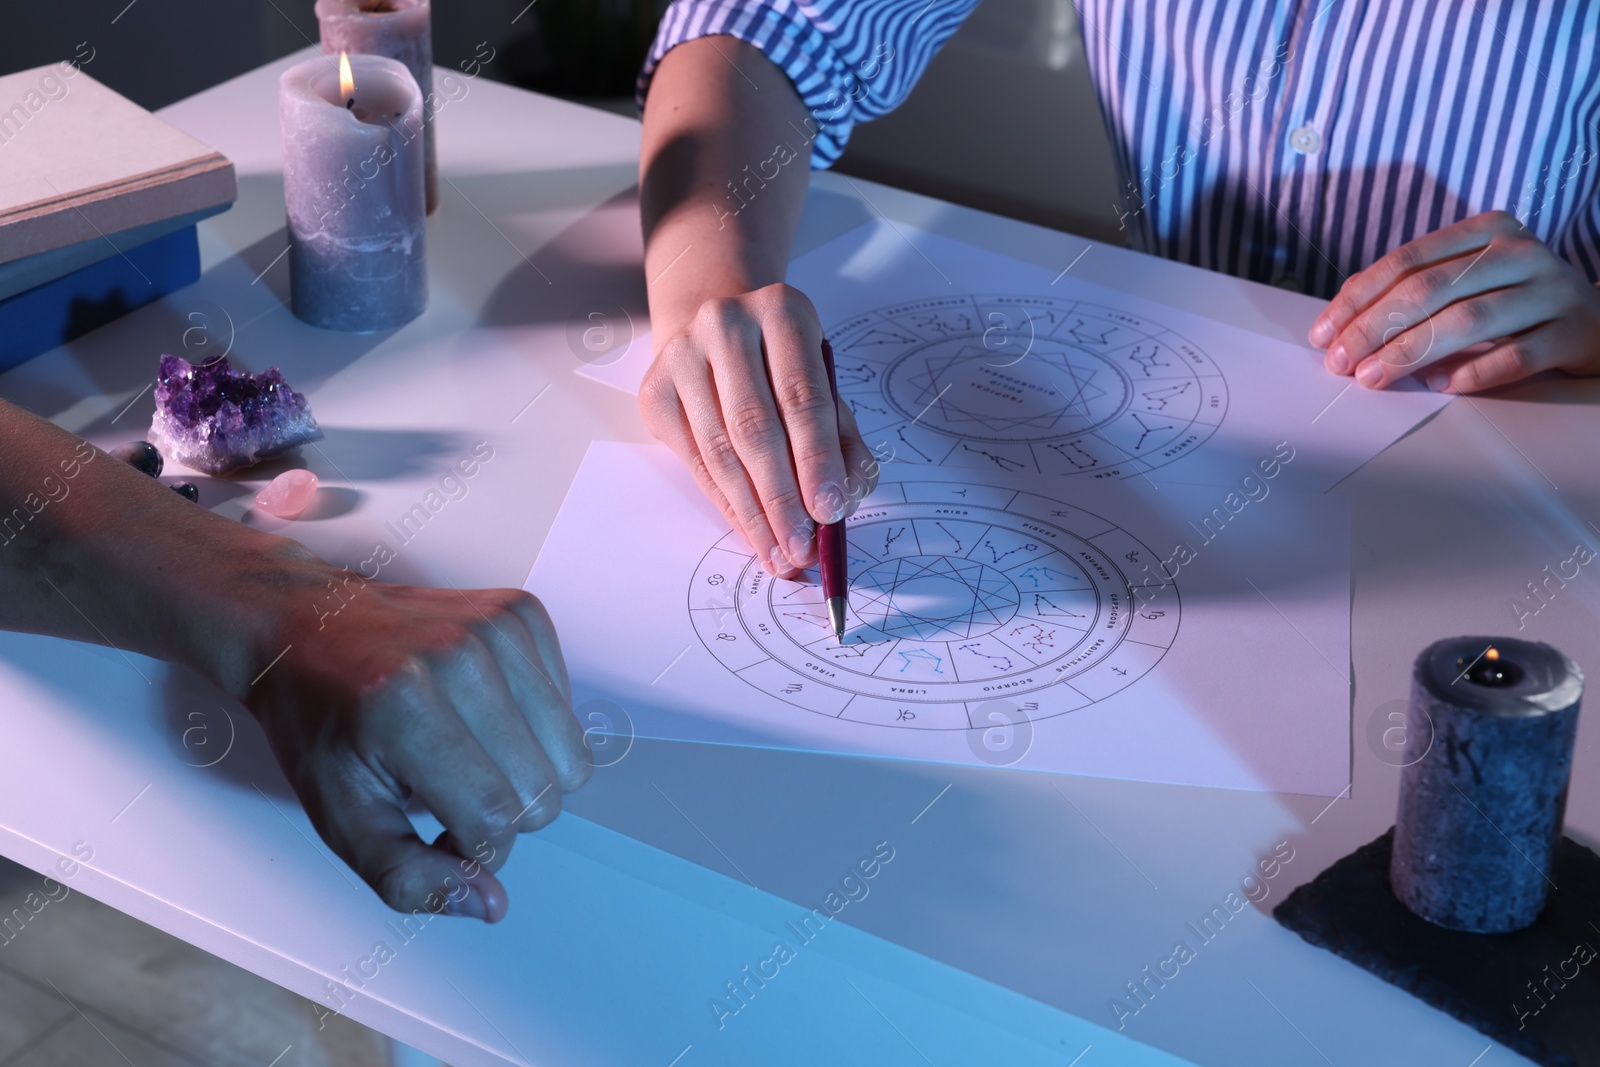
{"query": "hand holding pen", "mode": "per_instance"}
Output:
(740, 394)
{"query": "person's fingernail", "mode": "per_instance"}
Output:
(1321, 331)
(1369, 374)
(801, 540)
(1338, 360)
(541, 813)
(777, 562)
(471, 906)
(830, 503)
(1438, 381)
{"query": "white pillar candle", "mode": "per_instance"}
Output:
(352, 183)
(399, 29)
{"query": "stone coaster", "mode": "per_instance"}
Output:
(1535, 991)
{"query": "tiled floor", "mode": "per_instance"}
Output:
(82, 985)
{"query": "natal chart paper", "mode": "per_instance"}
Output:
(1074, 561)
(993, 620)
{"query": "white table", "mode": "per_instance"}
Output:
(1007, 910)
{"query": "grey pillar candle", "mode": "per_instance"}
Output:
(352, 184)
(1490, 732)
(395, 29)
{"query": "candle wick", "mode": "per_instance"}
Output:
(350, 104)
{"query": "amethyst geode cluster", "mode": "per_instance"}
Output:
(216, 419)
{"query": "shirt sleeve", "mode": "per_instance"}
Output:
(850, 60)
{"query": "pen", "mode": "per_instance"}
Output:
(830, 536)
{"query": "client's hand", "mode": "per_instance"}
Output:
(458, 696)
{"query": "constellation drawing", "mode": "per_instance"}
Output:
(859, 373)
(970, 593)
(996, 555)
(1003, 661)
(1160, 397)
(1003, 462)
(1038, 577)
(1148, 361)
(950, 535)
(1147, 430)
(1074, 453)
(1046, 608)
(943, 324)
(923, 654)
(1034, 636)
(1082, 331)
(1020, 383)
(901, 433)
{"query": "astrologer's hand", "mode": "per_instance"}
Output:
(741, 395)
(458, 696)
(1475, 305)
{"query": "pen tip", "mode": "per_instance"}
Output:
(836, 606)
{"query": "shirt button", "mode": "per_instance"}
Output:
(1305, 139)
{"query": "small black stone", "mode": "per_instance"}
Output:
(188, 490)
(142, 456)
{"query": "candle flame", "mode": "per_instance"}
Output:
(1492, 654)
(347, 81)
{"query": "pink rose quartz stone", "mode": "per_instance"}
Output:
(288, 495)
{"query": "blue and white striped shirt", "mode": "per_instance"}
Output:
(1298, 140)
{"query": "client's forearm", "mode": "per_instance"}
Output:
(94, 550)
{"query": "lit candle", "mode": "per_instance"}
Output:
(352, 183)
(398, 29)
(1489, 733)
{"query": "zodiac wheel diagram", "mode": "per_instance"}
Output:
(1020, 384)
(960, 594)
